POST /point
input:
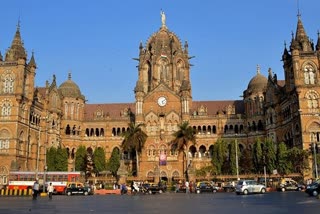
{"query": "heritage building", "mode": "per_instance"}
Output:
(33, 119)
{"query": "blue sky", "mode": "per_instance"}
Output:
(96, 40)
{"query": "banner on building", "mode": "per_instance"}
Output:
(163, 159)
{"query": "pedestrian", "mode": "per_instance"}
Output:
(124, 189)
(115, 185)
(35, 189)
(50, 190)
(177, 187)
(187, 187)
(132, 187)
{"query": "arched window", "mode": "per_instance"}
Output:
(8, 82)
(4, 141)
(312, 99)
(6, 108)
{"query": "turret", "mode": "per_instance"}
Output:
(16, 51)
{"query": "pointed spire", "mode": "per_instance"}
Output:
(318, 42)
(301, 36)
(32, 62)
(16, 51)
(270, 73)
(285, 54)
(300, 33)
(186, 46)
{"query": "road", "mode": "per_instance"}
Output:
(166, 203)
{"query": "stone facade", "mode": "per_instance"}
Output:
(34, 119)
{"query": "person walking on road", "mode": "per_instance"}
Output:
(50, 190)
(35, 189)
(187, 187)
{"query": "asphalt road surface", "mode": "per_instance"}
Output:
(166, 203)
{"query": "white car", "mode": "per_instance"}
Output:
(249, 186)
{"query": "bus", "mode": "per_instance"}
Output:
(25, 179)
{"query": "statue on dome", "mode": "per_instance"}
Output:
(163, 18)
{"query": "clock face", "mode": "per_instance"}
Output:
(162, 101)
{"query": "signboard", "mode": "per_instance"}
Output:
(163, 159)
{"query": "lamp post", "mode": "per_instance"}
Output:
(315, 160)
(44, 178)
(38, 153)
(237, 162)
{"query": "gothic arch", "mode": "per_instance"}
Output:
(192, 151)
(163, 174)
(175, 174)
(150, 174)
(4, 175)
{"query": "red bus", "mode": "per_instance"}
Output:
(25, 179)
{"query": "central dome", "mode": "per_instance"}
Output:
(70, 89)
(258, 83)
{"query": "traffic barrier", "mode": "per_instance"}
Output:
(107, 191)
(15, 192)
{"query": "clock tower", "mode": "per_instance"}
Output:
(163, 90)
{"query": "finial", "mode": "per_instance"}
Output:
(318, 33)
(285, 44)
(258, 69)
(18, 25)
(69, 76)
(299, 14)
(292, 34)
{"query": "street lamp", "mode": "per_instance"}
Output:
(315, 159)
(237, 162)
(38, 152)
(44, 178)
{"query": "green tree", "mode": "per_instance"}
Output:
(50, 158)
(298, 159)
(182, 137)
(233, 155)
(257, 156)
(61, 160)
(114, 162)
(269, 156)
(284, 166)
(81, 156)
(99, 159)
(134, 139)
(245, 162)
(219, 155)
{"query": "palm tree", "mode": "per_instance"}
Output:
(134, 139)
(182, 137)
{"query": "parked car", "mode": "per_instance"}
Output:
(206, 186)
(313, 189)
(288, 184)
(249, 186)
(76, 188)
(230, 186)
(152, 188)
